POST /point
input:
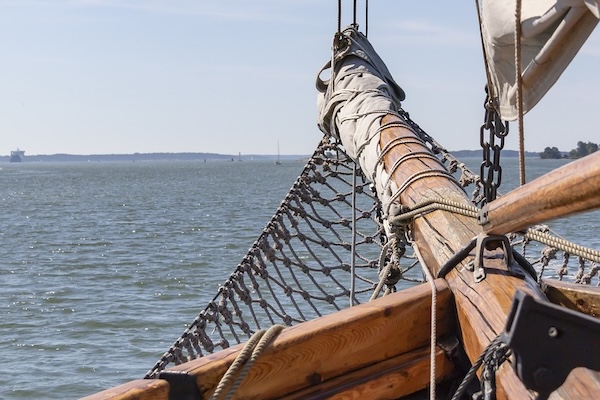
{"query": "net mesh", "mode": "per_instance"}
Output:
(324, 249)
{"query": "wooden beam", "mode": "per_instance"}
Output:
(328, 347)
(573, 188)
(582, 298)
(391, 379)
(482, 307)
(146, 389)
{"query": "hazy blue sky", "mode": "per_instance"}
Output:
(124, 76)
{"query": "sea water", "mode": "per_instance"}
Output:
(104, 264)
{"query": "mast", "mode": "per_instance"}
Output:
(485, 277)
(278, 162)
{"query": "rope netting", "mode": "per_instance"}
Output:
(325, 249)
(301, 265)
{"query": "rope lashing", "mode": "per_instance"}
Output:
(472, 211)
(390, 273)
(433, 205)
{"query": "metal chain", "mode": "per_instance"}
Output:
(491, 170)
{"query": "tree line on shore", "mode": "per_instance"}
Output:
(582, 150)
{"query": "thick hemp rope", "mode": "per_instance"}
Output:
(244, 361)
(519, 82)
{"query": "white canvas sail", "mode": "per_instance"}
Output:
(552, 34)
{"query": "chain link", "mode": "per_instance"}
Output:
(496, 129)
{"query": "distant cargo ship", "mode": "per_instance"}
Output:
(17, 155)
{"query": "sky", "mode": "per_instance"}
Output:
(229, 77)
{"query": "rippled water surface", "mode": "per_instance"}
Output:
(104, 264)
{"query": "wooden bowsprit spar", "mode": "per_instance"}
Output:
(383, 348)
(573, 188)
(380, 349)
(481, 307)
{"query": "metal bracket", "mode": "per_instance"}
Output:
(458, 257)
(182, 385)
(549, 341)
(489, 242)
(482, 215)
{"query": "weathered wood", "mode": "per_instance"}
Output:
(481, 307)
(390, 379)
(583, 298)
(573, 188)
(586, 381)
(141, 389)
(324, 348)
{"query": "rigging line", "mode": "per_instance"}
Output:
(432, 366)
(353, 244)
(366, 18)
(519, 82)
(385, 271)
(339, 17)
(490, 86)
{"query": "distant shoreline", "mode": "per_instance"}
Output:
(151, 157)
(209, 156)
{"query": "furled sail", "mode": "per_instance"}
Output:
(352, 102)
(552, 32)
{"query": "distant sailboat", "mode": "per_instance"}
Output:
(278, 162)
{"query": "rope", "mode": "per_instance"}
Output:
(366, 18)
(519, 82)
(414, 178)
(353, 244)
(385, 271)
(436, 204)
(339, 19)
(432, 362)
(244, 361)
(490, 86)
(486, 353)
(564, 245)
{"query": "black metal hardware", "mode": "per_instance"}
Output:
(549, 341)
(489, 242)
(183, 385)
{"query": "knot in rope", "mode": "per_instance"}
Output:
(394, 275)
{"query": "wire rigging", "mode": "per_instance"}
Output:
(354, 16)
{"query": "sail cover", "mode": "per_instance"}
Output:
(353, 100)
(552, 34)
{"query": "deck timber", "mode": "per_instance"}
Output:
(373, 348)
(582, 298)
